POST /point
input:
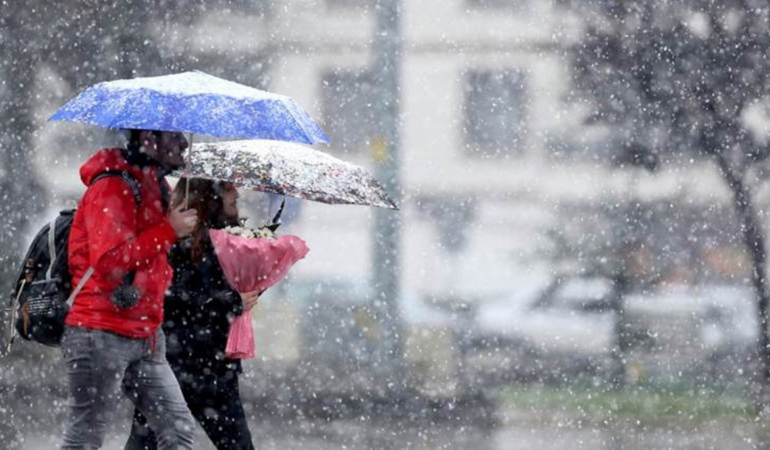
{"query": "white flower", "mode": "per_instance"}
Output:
(250, 233)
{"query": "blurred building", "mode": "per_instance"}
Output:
(491, 146)
(494, 159)
(483, 116)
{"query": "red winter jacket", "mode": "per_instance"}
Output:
(113, 235)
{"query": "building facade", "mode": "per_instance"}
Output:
(490, 145)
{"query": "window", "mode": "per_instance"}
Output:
(356, 5)
(495, 113)
(348, 98)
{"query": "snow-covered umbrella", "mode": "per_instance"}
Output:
(193, 102)
(289, 169)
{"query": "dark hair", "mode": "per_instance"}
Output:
(135, 139)
(206, 199)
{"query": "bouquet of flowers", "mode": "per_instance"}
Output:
(252, 260)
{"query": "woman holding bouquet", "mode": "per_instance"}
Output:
(199, 307)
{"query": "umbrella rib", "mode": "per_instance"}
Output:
(301, 123)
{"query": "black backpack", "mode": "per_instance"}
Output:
(43, 294)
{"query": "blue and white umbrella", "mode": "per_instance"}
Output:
(193, 102)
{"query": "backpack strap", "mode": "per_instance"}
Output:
(51, 247)
(127, 177)
(12, 322)
(80, 285)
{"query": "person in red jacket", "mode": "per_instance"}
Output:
(118, 243)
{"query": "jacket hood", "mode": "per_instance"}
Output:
(108, 159)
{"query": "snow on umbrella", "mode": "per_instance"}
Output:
(193, 102)
(288, 169)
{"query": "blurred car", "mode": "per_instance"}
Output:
(704, 331)
(565, 327)
(552, 328)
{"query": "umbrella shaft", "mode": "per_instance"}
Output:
(187, 174)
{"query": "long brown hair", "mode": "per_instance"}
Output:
(206, 199)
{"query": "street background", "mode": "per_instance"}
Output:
(578, 259)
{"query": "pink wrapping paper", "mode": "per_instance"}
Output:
(240, 339)
(253, 265)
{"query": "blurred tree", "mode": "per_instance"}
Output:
(615, 241)
(675, 80)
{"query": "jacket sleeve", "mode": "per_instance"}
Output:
(186, 276)
(218, 288)
(201, 283)
(115, 247)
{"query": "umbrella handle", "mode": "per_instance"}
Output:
(276, 222)
(187, 173)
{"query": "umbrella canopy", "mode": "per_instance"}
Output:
(288, 169)
(193, 102)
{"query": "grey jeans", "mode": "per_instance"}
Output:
(99, 366)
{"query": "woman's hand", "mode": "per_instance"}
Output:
(182, 220)
(250, 299)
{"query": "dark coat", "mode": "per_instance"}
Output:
(199, 307)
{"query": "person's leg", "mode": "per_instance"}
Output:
(141, 437)
(222, 416)
(153, 388)
(95, 362)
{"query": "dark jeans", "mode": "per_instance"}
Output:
(214, 402)
(99, 365)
